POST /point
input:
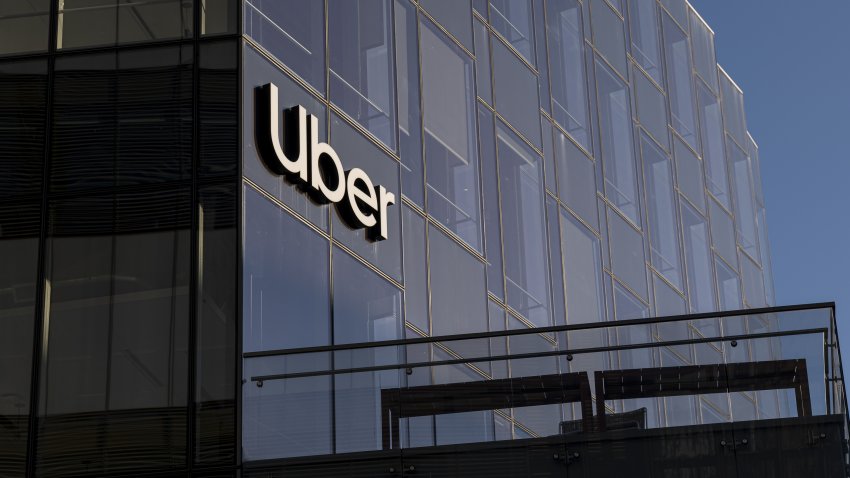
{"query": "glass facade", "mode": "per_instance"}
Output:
(554, 163)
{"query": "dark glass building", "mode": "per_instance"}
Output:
(369, 238)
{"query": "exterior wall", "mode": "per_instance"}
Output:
(118, 237)
(557, 162)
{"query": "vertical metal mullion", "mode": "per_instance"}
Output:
(39, 328)
(238, 231)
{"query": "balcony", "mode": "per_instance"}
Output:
(739, 393)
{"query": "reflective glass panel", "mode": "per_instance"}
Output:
(24, 26)
(689, 173)
(745, 214)
(285, 270)
(627, 255)
(450, 131)
(415, 270)
(513, 20)
(454, 15)
(360, 46)
(294, 32)
(615, 124)
(733, 109)
(492, 216)
(409, 110)
(697, 260)
(582, 272)
(677, 52)
(516, 93)
(84, 23)
(458, 295)
(753, 283)
(577, 179)
(661, 212)
(524, 228)
(646, 44)
(608, 35)
(728, 287)
(651, 108)
(722, 233)
(702, 40)
(711, 130)
(566, 58)
(482, 63)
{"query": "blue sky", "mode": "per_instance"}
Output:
(792, 61)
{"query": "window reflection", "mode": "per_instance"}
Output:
(646, 46)
(85, 23)
(566, 57)
(516, 92)
(661, 213)
(728, 287)
(733, 109)
(450, 132)
(524, 228)
(513, 20)
(711, 130)
(698, 260)
(583, 272)
(455, 16)
(24, 26)
(677, 52)
(409, 111)
(576, 179)
(361, 64)
(627, 253)
(608, 35)
(294, 32)
(615, 124)
(745, 214)
(702, 40)
(492, 217)
(285, 286)
(458, 295)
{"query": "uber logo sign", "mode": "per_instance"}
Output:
(315, 167)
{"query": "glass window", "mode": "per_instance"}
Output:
(492, 216)
(365, 307)
(542, 57)
(23, 107)
(360, 36)
(24, 26)
(661, 213)
(220, 111)
(219, 17)
(566, 57)
(745, 213)
(217, 323)
(294, 32)
(608, 35)
(285, 270)
(415, 270)
(646, 44)
(577, 179)
(667, 301)
(383, 170)
(651, 108)
(147, 140)
(482, 62)
(455, 16)
(259, 71)
(697, 260)
(409, 110)
(516, 93)
(513, 20)
(689, 173)
(84, 23)
(678, 9)
(722, 233)
(19, 231)
(118, 271)
(677, 52)
(615, 124)
(458, 295)
(733, 109)
(702, 40)
(582, 272)
(761, 217)
(450, 148)
(711, 129)
(524, 228)
(728, 286)
(753, 283)
(627, 258)
(559, 311)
